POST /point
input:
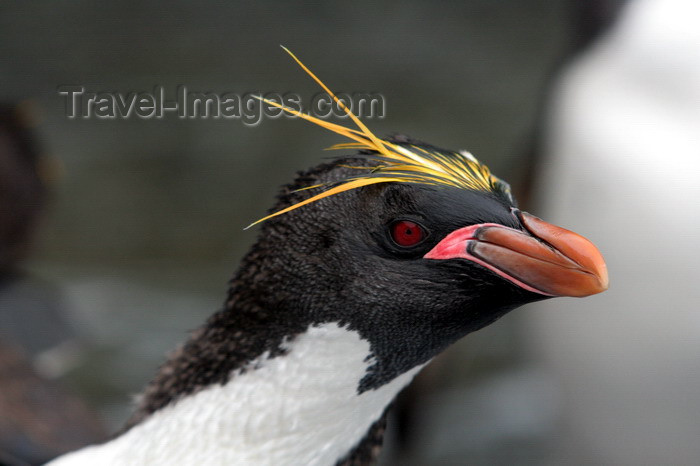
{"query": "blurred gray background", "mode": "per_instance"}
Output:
(145, 221)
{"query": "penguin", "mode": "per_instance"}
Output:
(365, 269)
(622, 123)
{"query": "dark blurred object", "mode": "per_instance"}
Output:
(39, 420)
(22, 192)
(29, 312)
(590, 19)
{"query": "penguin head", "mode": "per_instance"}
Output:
(410, 245)
(413, 267)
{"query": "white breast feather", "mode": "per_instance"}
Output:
(301, 408)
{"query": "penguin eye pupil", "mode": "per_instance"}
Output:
(406, 233)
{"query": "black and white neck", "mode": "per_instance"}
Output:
(299, 404)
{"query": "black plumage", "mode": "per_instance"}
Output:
(332, 261)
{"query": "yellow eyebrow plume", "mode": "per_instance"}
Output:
(397, 163)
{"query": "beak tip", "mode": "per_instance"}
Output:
(600, 271)
(598, 283)
(604, 280)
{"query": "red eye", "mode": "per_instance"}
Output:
(406, 233)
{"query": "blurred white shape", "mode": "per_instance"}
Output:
(624, 170)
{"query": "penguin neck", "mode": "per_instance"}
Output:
(299, 404)
(270, 379)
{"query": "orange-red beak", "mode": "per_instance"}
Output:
(546, 259)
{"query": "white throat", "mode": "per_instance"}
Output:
(298, 408)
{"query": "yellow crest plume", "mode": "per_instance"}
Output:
(398, 163)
